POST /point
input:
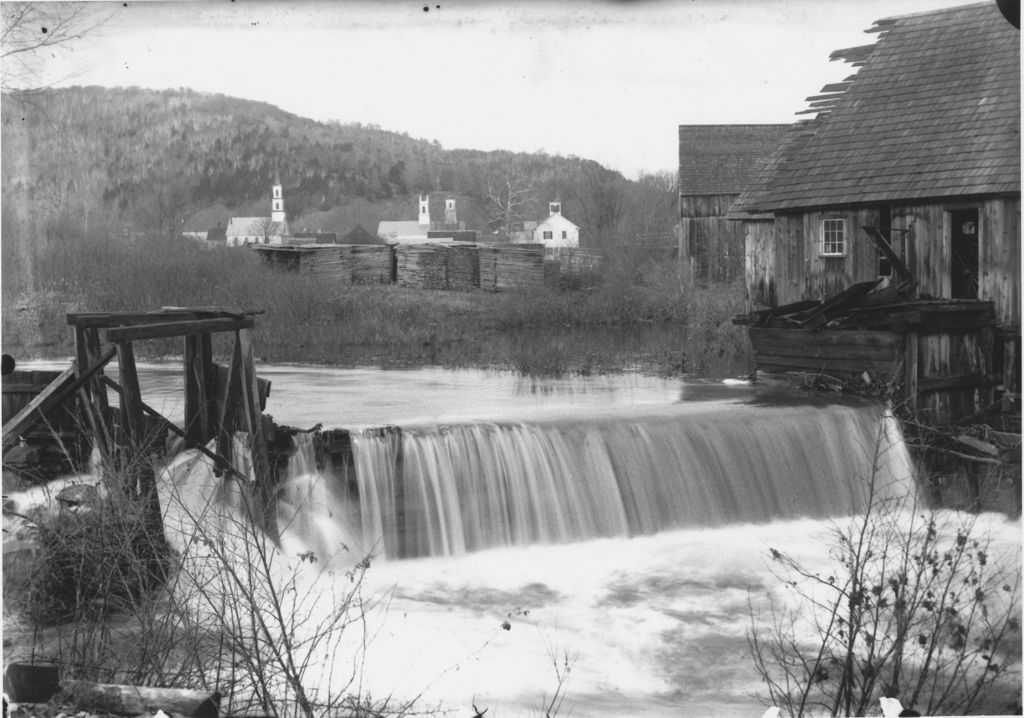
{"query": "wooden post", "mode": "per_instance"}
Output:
(131, 397)
(251, 407)
(92, 394)
(200, 388)
(910, 369)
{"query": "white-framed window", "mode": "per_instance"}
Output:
(548, 235)
(833, 237)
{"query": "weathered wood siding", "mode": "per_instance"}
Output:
(952, 374)
(800, 270)
(927, 250)
(759, 262)
(944, 375)
(714, 247)
(837, 353)
(788, 266)
(705, 205)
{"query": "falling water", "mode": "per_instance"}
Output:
(440, 490)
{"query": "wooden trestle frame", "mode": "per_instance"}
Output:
(219, 400)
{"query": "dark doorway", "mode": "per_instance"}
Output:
(964, 266)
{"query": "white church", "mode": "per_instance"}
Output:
(242, 231)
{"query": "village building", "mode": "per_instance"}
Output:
(908, 175)
(716, 163)
(243, 231)
(360, 235)
(555, 232)
(438, 220)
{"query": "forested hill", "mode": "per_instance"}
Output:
(94, 157)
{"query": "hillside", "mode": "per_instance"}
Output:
(87, 159)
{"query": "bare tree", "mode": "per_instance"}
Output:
(32, 32)
(510, 197)
(914, 605)
(266, 228)
(654, 206)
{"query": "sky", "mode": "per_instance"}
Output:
(605, 80)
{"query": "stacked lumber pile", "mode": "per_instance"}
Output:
(367, 263)
(323, 260)
(463, 266)
(510, 266)
(424, 266)
(573, 262)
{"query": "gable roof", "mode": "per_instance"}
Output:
(255, 227)
(389, 230)
(723, 159)
(557, 222)
(933, 112)
(360, 235)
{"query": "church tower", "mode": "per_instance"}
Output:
(425, 209)
(277, 201)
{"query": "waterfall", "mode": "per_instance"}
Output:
(450, 489)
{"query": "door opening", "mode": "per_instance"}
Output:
(964, 253)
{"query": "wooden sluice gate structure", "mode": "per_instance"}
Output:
(940, 354)
(222, 402)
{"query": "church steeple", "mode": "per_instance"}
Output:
(277, 201)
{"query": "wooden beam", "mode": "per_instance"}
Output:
(106, 320)
(59, 390)
(131, 394)
(960, 381)
(177, 329)
(883, 246)
(221, 463)
(138, 700)
(200, 386)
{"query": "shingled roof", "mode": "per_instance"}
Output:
(723, 159)
(933, 112)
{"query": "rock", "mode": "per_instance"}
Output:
(31, 683)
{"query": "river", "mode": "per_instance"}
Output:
(622, 521)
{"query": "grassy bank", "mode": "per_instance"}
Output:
(316, 320)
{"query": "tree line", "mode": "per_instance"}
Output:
(91, 159)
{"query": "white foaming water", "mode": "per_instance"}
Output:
(446, 490)
(630, 532)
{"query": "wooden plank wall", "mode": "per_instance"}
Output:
(705, 205)
(715, 247)
(1000, 258)
(759, 264)
(842, 354)
(953, 371)
(927, 250)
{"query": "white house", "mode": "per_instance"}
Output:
(555, 232)
(261, 230)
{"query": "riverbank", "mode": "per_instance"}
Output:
(644, 318)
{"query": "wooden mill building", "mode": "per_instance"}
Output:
(909, 173)
(716, 163)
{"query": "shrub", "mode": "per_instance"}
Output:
(916, 607)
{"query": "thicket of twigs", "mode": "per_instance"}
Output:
(917, 605)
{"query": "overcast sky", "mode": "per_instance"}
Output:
(609, 81)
